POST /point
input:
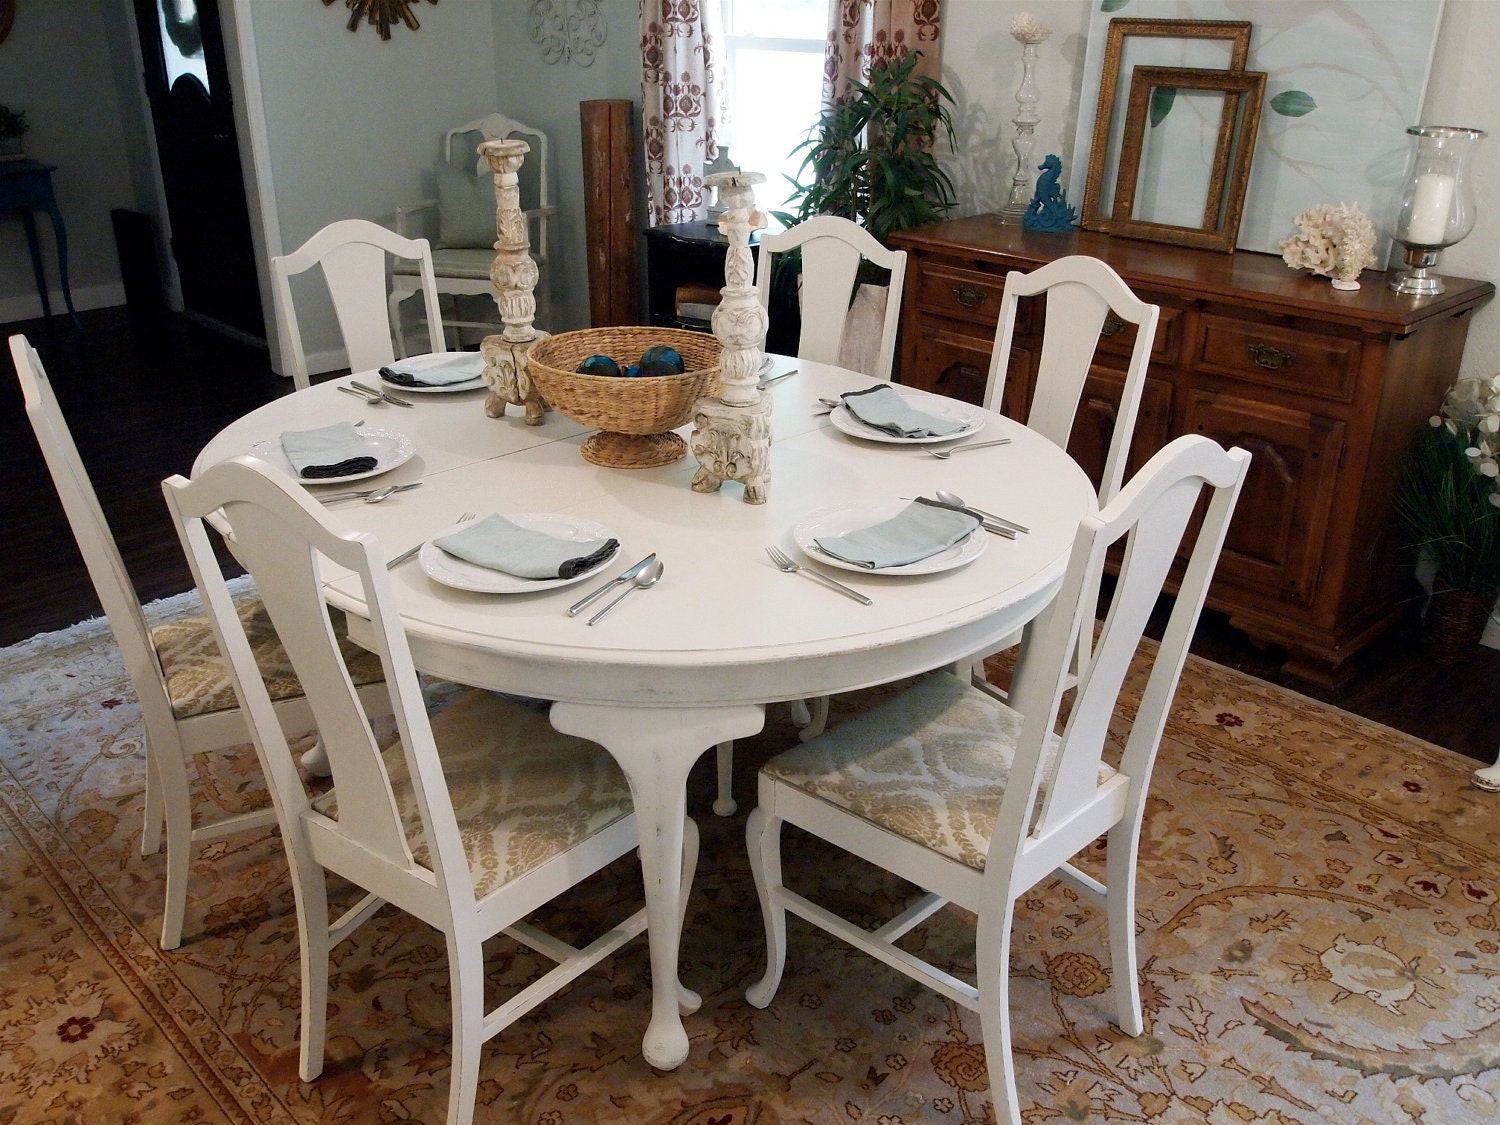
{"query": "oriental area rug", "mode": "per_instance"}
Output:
(1319, 917)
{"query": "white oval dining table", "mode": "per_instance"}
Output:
(693, 661)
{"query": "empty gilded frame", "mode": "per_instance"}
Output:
(1147, 42)
(1162, 195)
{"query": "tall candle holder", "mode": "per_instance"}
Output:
(1027, 31)
(1437, 203)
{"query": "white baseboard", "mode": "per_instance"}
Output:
(29, 307)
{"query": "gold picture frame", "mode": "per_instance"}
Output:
(1093, 215)
(1153, 91)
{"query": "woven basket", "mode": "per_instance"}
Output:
(635, 417)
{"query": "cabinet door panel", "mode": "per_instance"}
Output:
(1098, 410)
(1276, 539)
(951, 359)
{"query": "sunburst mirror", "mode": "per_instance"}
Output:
(381, 14)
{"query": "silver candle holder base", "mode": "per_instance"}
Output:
(1415, 279)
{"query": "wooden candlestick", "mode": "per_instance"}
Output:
(514, 276)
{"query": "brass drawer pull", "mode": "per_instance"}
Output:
(1112, 324)
(968, 296)
(1271, 357)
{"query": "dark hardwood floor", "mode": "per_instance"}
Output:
(141, 400)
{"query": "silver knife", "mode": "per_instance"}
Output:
(577, 607)
(361, 495)
(377, 392)
(993, 526)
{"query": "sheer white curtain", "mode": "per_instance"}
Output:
(865, 33)
(682, 100)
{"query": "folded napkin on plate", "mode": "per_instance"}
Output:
(437, 370)
(333, 451)
(885, 409)
(917, 532)
(497, 544)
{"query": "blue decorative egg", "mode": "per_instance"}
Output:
(631, 371)
(599, 365)
(663, 354)
(656, 368)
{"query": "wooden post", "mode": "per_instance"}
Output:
(609, 210)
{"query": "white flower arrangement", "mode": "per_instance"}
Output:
(1471, 413)
(1335, 242)
(1026, 28)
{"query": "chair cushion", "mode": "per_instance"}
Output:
(197, 677)
(472, 264)
(466, 209)
(522, 793)
(930, 764)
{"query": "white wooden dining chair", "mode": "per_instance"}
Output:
(975, 800)
(471, 821)
(1082, 293)
(180, 678)
(353, 254)
(831, 251)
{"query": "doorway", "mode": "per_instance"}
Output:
(192, 112)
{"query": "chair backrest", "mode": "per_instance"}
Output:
(100, 554)
(352, 253)
(279, 536)
(831, 251)
(532, 178)
(1152, 512)
(1081, 291)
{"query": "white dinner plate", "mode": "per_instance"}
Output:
(449, 571)
(389, 448)
(433, 357)
(950, 410)
(828, 522)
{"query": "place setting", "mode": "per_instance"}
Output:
(517, 552)
(897, 537)
(434, 373)
(883, 414)
(336, 454)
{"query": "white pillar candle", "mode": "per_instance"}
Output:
(1430, 204)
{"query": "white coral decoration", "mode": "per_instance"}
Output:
(1336, 242)
(1471, 410)
(1026, 28)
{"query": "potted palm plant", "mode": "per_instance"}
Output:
(1447, 503)
(870, 158)
(13, 130)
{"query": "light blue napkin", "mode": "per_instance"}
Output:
(496, 543)
(917, 532)
(885, 409)
(332, 451)
(438, 369)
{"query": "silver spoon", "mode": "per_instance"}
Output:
(958, 502)
(381, 493)
(642, 581)
(944, 454)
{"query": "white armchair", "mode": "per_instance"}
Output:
(460, 223)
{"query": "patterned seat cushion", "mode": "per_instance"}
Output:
(197, 677)
(930, 765)
(522, 792)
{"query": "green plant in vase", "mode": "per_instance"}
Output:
(13, 130)
(1447, 503)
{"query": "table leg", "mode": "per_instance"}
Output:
(37, 270)
(61, 232)
(656, 747)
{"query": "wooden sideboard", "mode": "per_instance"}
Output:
(1324, 388)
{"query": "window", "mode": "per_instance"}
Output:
(775, 71)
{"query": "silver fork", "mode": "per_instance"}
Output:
(467, 517)
(784, 563)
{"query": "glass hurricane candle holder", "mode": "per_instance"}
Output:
(1437, 203)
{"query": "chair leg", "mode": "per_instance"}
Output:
(817, 718)
(309, 888)
(177, 805)
(154, 818)
(992, 964)
(393, 307)
(466, 970)
(688, 1001)
(1120, 902)
(315, 760)
(763, 841)
(724, 805)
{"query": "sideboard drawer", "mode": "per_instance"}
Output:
(1118, 336)
(965, 295)
(1312, 363)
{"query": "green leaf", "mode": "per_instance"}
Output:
(1162, 100)
(1293, 103)
(1112, 5)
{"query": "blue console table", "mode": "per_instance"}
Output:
(26, 186)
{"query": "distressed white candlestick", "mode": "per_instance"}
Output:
(514, 275)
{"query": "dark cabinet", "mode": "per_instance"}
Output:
(1324, 388)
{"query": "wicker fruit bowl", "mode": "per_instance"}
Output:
(635, 416)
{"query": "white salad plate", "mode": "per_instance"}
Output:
(433, 359)
(390, 448)
(950, 410)
(826, 523)
(443, 568)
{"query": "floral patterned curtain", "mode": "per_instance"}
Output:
(866, 33)
(682, 100)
